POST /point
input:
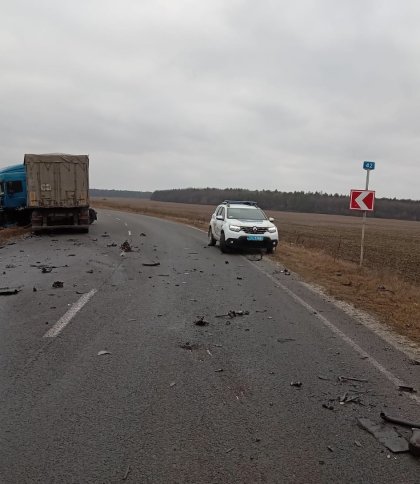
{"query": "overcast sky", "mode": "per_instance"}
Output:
(287, 95)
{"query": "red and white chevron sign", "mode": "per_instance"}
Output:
(362, 200)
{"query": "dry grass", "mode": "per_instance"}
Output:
(324, 249)
(7, 235)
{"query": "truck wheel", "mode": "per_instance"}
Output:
(212, 240)
(223, 247)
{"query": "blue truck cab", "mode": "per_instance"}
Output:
(12, 190)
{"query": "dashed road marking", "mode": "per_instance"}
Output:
(129, 233)
(69, 315)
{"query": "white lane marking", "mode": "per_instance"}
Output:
(69, 315)
(129, 233)
(326, 322)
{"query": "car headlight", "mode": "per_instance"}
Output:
(235, 228)
(272, 229)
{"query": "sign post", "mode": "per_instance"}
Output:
(363, 200)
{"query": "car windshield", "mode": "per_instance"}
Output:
(245, 214)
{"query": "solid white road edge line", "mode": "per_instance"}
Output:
(390, 376)
(69, 315)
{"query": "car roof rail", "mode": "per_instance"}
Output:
(240, 202)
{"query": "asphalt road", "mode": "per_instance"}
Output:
(173, 402)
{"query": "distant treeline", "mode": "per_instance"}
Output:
(96, 192)
(308, 202)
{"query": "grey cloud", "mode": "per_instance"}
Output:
(268, 94)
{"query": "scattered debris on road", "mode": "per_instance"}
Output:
(172, 384)
(346, 398)
(57, 284)
(296, 384)
(151, 264)
(414, 443)
(112, 244)
(186, 346)
(233, 314)
(229, 450)
(350, 378)
(399, 421)
(407, 388)
(46, 269)
(385, 435)
(142, 234)
(328, 406)
(201, 321)
(126, 247)
(219, 370)
(285, 340)
(9, 291)
(104, 352)
(105, 234)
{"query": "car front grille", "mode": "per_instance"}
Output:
(250, 230)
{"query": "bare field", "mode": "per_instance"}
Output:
(325, 249)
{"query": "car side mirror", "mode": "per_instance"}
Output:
(219, 217)
(271, 219)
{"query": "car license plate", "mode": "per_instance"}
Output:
(255, 237)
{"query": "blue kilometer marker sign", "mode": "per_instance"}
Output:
(368, 165)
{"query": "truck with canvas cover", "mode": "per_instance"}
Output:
(58, 190)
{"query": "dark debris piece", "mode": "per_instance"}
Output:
(151, 264)
(385, 435)
(233, 314)
(201, 322)
(112, 244)
(414, 443)
(126, 247)
(400, 421)
(57, 284)
(406, 388)
(296, 384)
(9, 291)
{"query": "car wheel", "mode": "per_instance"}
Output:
(223, 247)
(212, 240)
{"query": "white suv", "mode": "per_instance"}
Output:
(242, 224)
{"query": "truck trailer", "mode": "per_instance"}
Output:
(49, 191)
